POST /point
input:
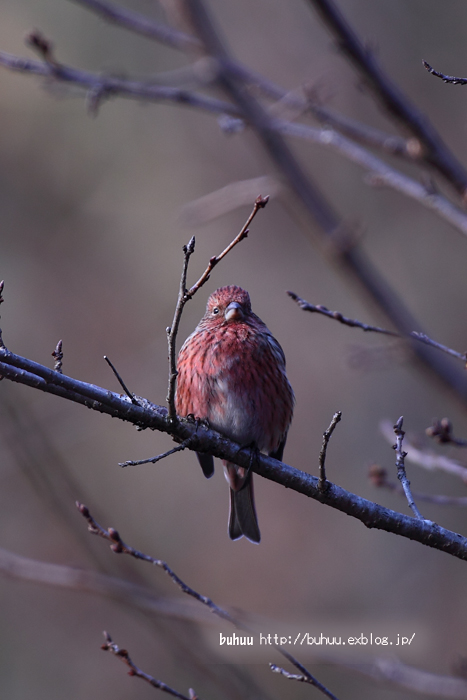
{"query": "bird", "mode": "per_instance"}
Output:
(232, 375)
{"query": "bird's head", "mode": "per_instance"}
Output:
(228, 304)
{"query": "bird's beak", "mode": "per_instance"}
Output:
(233, 312)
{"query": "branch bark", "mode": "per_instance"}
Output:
(202, 439)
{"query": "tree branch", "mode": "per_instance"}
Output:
(304, 677)
(379, 478)
(140, 24)
(322, 481)
(124, 656)
(400, 464)
(445, 78)
(337, 241)
(426, 458)
(148, 415)
(392, 99)
(184, 295)
(100, 87)
(337, 316)
(103, 87)
(131, 594)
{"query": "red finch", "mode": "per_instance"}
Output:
(231, 373)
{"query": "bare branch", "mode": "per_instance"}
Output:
(109, 86)
(153, 460)
(172, 330)
(184, 295)
(416, 680)
(336, 238)
(100, 88)
(123, 655)
(379, 478)
(232, 196)
(88, 581)
(121, 382)
(401, 473)
(446, 78)
(322, 482)
(303, 678)
(362, 133)
(58, 356)
(148, 415)
(337, 316)
(441, 431)
(119, 547)
(140, 24)
(391, 97)
(260, 203)
(43, 47)
(379, 173)
(426, 458)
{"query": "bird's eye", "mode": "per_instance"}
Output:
(215, 310)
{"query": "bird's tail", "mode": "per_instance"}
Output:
(242, 518)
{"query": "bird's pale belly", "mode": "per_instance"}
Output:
(227, 413)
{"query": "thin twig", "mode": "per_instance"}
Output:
(322, 482)
(153, 460)
(99, 88)
(58, 356)
(149, 28)
(43, 47)
(131, 396)
(413, 680)
(123, 655)
(426, 458)
(234, 78)
(379, 173)
(140, 24)
(446, 78)
(362, 133)
(110, 86)
(260, 203)
(336, 237)
(184, 295)
(391, 97)
(305, 677)
(379, 478)
(131, 594)
(441, 431)
(172, 330)
(401, 473)
(337, 316)
(119, 547)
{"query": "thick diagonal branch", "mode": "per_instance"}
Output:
(148, 415)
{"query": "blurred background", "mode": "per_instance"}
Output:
(92, 227)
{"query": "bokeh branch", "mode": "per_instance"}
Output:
(119, 547)
(124, 656)
(336, 240)
(391, 97)
(353, 323)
